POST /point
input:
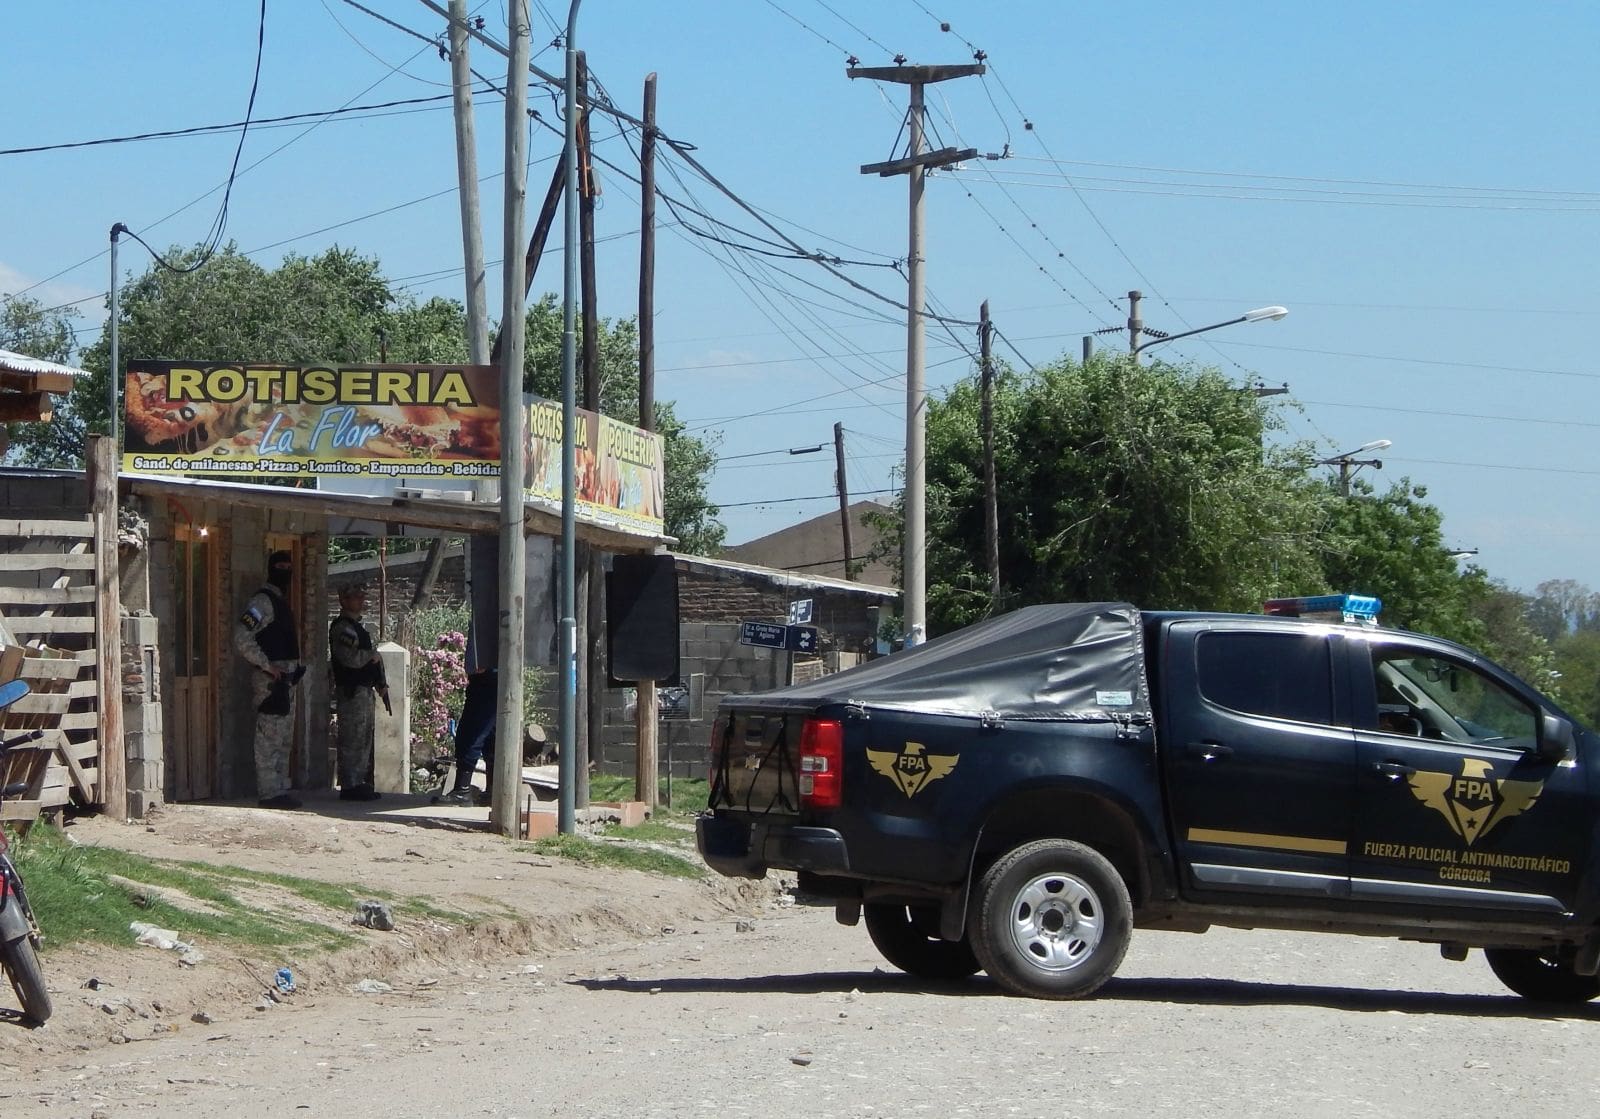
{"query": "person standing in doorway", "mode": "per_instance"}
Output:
(266, 636)
(357, 673)
(475, 728)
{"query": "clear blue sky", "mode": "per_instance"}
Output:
(1417, 182)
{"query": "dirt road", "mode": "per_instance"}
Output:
(795, 1015)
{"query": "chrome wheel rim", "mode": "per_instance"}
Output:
(1056, 922)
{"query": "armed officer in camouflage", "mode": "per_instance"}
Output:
(357, 673)
(266, 636)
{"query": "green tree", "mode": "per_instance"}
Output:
(336, 306)
(28, 327)
(1152, 484)
(1392, 545)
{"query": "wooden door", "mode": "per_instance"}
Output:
(195, 663)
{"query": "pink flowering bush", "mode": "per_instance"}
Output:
(438, 683)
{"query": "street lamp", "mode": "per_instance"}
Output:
(1348, 464)
(1136, 327)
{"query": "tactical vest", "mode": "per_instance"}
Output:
(344, 677)
(280, 639)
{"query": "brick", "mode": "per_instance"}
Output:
(539, 825)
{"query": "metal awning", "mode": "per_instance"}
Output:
(442, 513)
(21, 373)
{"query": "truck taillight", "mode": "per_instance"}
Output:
(822, 763)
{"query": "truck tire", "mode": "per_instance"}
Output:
(897, 932)
(21, 965)
(1542, 976)
(1051, 920)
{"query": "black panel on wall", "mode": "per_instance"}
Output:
(642, 619)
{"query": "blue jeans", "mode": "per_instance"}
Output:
(475, 728)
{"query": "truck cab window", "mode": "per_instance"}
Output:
(1281, 675)
(1419, 693)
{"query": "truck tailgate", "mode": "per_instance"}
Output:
(758, 767)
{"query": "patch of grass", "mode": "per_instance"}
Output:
(589, 853)
(653, 831)
(689, 794)
(92, 894)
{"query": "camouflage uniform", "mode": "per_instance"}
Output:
(356, 671)
(268, 616)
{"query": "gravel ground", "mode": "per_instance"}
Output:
(786, 1013)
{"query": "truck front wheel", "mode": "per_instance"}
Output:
(1051, 920)
(907, 937)
(1542, 976)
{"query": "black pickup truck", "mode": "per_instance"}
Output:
(1019, 795)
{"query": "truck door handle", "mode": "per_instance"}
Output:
(1394, 771)
(1209, 751)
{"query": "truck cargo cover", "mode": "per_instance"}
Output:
(1080, 662)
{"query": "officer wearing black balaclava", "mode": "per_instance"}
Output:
(266, 636)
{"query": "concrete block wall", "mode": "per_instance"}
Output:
(141, 714)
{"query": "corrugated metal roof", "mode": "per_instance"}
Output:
(13, 362)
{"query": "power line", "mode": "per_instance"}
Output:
(1310, 178)
(1421, 360)
(1498, 466)
(1202, 192)
(818, 497)
(1499, 419)
(211, 129)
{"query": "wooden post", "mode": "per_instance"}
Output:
(112, 777)
(991, 497)
(844, 499)
(646, 767)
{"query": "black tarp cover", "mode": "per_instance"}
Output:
(1080, 661)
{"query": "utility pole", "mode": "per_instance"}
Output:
(477, 290)
(915, 165)
(1135, 325)
(647, 260)
(991, 498)
(1088, 348)
(513, 456)
(590, 591)
(645, 709)
(844, 501)
(467, 175)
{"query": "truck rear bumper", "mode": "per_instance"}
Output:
(744, 850)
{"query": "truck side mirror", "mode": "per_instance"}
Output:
(1556, 739)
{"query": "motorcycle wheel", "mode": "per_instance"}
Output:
(21, 964)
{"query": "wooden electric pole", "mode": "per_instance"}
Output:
(645, 775)
(844, 501)
(505, 812)
(991, 497)
(914, 165)
(1135, 325)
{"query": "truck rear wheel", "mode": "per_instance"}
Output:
(1051, 920)
(1542, 976)
(902, 933)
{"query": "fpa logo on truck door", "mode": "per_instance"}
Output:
(913, 768)
(1473, 801)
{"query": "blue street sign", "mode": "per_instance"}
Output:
(769, 635)
(800, 612)
(802, 639)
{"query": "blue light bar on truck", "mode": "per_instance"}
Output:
(1359, 608)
